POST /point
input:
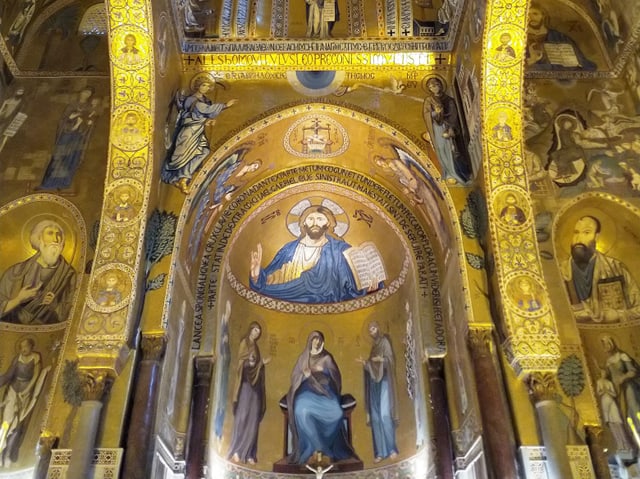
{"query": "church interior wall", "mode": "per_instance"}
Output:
(182, 270)
(580, 132)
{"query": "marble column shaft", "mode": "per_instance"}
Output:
(199, 416)
(444, 447)
(84, 440)
(96, 384)
(139, 442)
(498, 435)
(43, 451)
(542, 390)
(595, 436)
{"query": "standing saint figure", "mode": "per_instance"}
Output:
(440, 113)
(23, 380)
(249, 403)
(611, 414)
(321, 17)
(624, 372)
(190, 145)
(74, 130)
(380, 395)
(316, 419)
(40, 289)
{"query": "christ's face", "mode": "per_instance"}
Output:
(373, 330)
(315, 225)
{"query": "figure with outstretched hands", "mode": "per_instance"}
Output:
(318, 471)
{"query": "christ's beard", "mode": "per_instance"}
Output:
(50, 253)
(315, 232)
(582, 253)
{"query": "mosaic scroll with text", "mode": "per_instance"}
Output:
(105, 323)
(532, 339)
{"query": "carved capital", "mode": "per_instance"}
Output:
(153, 346)
(480, 340)
(46, 442)
(436, 367)
(595, 435)
(204, 368)
(542, 386)
(95, 383)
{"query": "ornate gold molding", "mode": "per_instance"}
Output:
(103, 333)
(480, 340)
(531, 334)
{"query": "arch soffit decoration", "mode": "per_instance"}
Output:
(531, 341)
(369, 169)
(291, 114)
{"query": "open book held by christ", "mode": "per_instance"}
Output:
(366, 265)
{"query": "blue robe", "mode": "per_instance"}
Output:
(329, 281)
(316, 418)
(380, 398)
(72, 138)
(190, 146)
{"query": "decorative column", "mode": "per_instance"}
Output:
(543, 393)
(498, 434)
(199, 416)
(95, 385)
(46, 443)
(139, 444)
(597, 451)
(444, 448)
